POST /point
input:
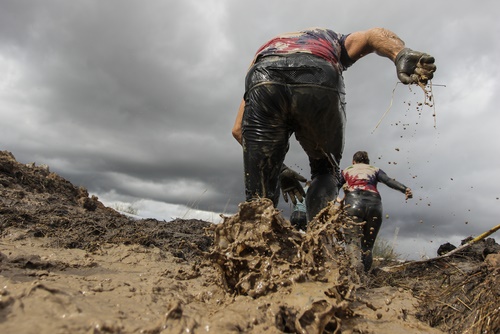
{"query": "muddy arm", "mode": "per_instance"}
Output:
(379, 40)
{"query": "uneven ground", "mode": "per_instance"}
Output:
(68, 264)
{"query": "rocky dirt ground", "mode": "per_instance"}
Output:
(68, 264)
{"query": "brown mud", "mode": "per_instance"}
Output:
(68, 264)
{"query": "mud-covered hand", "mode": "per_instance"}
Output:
(408, 193)
(290, 185)
(414, 66)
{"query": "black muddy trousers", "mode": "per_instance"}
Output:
(301, 94)
(365, 206)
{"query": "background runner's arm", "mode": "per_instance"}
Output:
(382, 177)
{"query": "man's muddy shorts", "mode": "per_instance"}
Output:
(298, 93)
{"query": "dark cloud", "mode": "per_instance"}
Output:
(136, 100)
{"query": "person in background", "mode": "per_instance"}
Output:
(298, 218)
(363, 203)
(295, 85)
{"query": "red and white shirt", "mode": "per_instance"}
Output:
(324, 43)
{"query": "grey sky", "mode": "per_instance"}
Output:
(135, 100)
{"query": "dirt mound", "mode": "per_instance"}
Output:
(43, 204)
(68, 264)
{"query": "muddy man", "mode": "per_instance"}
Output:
(295, 85)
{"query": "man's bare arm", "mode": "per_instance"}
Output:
(413, 67)
(379, 40)
(237, 134)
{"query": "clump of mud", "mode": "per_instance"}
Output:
(258, 252)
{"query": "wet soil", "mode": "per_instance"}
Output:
(68, 264)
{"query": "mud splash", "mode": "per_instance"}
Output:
(258, 252)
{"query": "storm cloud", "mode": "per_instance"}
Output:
(136, 100)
